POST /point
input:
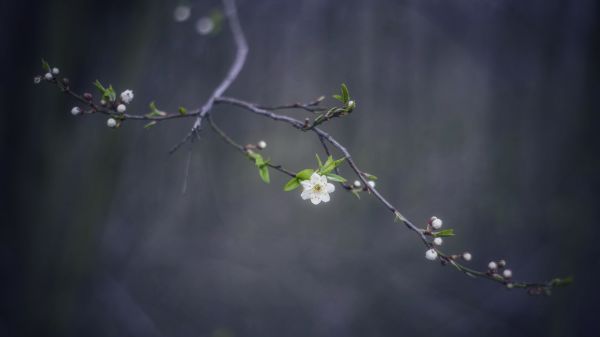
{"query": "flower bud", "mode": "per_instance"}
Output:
(492, 265)
(261, 144)
(87, 96)
(102, 102)
(501, 263)
(438, 241)
(76, 111)
(111, 123)
(507, 273)
(55, 71)
(435, 222)
(37, 79)
(48, 76)
(431, 254)
(121, 108)
(371, 183)
(357, 183)
(467, 256)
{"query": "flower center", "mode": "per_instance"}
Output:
(317, 188)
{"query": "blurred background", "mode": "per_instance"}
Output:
(483, 113)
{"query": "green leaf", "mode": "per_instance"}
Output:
(339, 98)
(154, 112)
(345, 94)
(330, 165)
(110, 93)
(263, 171)
(100, 87)
(45, 65)
(149, 125)
(558, 282)
(319, 160)
(443, 233)
(336, 178)
(356, 194)
(369, 176)
(182, 110)
(292, 184)
(305, 174)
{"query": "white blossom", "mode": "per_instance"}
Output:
(435, 222)
(507, 273)
(121, 108)
(55, 71)
(261, 144)
(75, 111)
(492, 265)
(357, 184)
(111, 123)
(205, 25)
(317, 189)
(182, 13)
(467, 256)
(371, 183)
(431, 254)
(438, 241)
(127, 96)
(48, 76)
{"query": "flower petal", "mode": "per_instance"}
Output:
(323, 180)
(315, 178)
(307, 185)
(315, 200)
(306, 194)
(330, 188)
(325, 197)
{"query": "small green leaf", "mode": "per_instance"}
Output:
(336, 178)
(149, 125)
(45, 65)
(100, 87)
(558, 282)
(339, 98)
(331, 164)
(443, 233)
(263, 171)
(305, 174)
(369, 176)
(292, 184)
(154, 112)
(182, 110)
(319, 160)
(110, 93)
(356, 194)
(345, 94)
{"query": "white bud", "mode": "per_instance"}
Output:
(507, 273)
(261, 144)
(55, 71)
(357, 183)
(371, 183)
(431, 254)
(205, 25)
(351, 104)
(181, 13)
(436, 223)
(48, 76)
(438, 241)
(111, 123)
(121, 108)
(102, 102)
(37, 79)
(127, 96)
(75, 111)
(492, 265)
(467, 256)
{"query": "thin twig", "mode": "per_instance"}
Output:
(237, 65)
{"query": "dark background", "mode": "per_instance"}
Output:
(484, 113)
